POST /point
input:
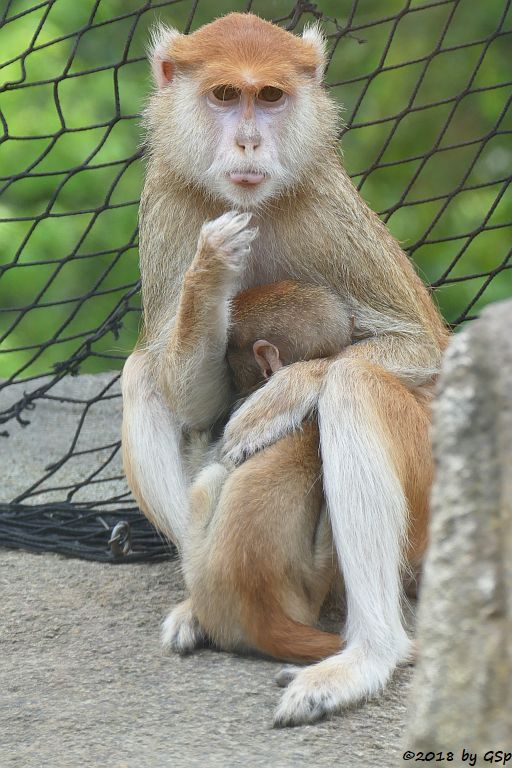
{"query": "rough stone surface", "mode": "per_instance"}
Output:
(462, 694)
(83, 681)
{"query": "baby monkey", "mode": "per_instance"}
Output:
(258, 558)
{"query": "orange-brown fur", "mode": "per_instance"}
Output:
(302, 321)
(315, 228)
(245, 52)
(264, 562)
(404, 418)
(193, 310)
(259, 565)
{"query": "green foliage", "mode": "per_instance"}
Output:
(426, 118)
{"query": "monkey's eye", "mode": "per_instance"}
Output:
(270, 94)
(226, 93)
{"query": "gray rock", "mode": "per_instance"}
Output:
(462, 691)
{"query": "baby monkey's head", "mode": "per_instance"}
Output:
(282, 323)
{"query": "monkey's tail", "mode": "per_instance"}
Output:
(271, 630)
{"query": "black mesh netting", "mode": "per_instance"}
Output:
(426, 91)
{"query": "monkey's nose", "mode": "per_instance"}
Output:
(248, 144)
(248, 137)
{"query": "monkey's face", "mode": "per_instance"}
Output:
(249, 161)
(240, 111)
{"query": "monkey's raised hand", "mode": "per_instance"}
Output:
(274, 410)
(223, 245)
(195, 379)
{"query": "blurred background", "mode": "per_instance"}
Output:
(425, 88)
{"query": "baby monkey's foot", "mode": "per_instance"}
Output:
(181, 632)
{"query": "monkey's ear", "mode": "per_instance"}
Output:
(159, 53)
(312, 35)
(267, 357)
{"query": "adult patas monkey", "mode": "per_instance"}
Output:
(240, 120)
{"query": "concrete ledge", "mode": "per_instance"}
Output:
(83, 679)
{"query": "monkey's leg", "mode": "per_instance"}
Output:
(362, 461)
(204, 497)
(181, 631)
(152, 452)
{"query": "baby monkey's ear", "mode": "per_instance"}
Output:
(160, 55)
(267, 357)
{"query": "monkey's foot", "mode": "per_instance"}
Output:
(286, 674)
(331, 685)
(181, 632)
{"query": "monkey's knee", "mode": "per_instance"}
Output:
(355, 376)
(205, 493)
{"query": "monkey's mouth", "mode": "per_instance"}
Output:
(251, 178)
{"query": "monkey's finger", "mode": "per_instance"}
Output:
(234, 220)
(242, 219)
(233, 454)
(239, 240)
(229, 236)
(236, 228)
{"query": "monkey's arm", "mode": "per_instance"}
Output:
(292, 393)
(274, 410)
(193, 373)
(412, 357)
